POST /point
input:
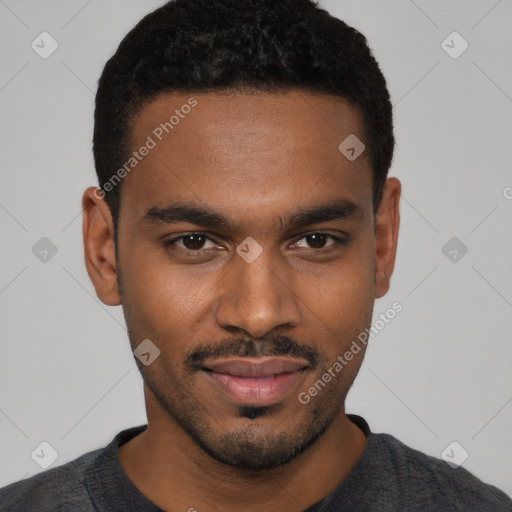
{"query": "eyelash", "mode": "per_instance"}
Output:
(338, 241)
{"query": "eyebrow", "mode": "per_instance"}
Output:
(338, 209)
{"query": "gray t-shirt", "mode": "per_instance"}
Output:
(389, 477)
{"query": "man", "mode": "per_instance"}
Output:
(246, 224)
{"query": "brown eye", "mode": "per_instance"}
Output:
(194, 242)
(319, 240)
(191, 242)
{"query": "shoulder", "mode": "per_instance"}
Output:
(432, 482)
(58, 489)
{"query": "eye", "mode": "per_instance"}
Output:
(191, 242)
(195, 243)
(318, 240)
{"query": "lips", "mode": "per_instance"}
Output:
(253, 381)
(256, 366)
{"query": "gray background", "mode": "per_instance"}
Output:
(439, 372)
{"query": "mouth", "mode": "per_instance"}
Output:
(255, 381)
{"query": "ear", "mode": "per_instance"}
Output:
(387, 222)
(99, 249)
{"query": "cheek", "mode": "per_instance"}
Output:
(346, 285)
(159, 296)
(340, 300)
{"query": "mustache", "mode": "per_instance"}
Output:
(277, 345)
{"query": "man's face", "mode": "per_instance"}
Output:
(209, 304)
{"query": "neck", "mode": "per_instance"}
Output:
(173, 472)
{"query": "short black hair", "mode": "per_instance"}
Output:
(209, 45)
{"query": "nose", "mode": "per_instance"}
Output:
(257, 297)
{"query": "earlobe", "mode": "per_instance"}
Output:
(99, 249)
(387, 224)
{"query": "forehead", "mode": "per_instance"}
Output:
(233, 120)
(258, 149)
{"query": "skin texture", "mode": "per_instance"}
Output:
(254, 158)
